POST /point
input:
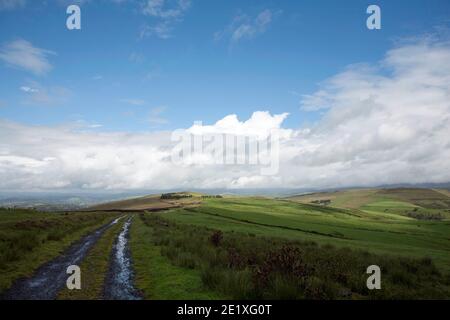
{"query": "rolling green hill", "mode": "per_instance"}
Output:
(315, 246)
(379, 227)
(402, 201)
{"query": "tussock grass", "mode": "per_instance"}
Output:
(383, 228)
(243, 266)
(156, 276)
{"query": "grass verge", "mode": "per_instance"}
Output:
(155, 276)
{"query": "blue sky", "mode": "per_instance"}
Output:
(110, 74)
(96, 108)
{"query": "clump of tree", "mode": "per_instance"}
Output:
(425, 215)
(212, 196)
(175, 196)
(324, 202)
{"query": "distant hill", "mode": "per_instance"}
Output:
(152, 202)
(357, 198)
(136, 199)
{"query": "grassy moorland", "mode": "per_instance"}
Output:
(29, 238)
(381, 227)
(241, 265)
(315, 246)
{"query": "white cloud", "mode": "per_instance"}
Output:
(136, 57)
(95, 126)
(245, 27)
(71, 158)
(29, 89)
(83, 124)
(134, 102)
(11, 4)
(155, 118)
(161, 9)
(166, 13)
(22, 54)
(317, 101)
(69, 2)
(37, 94)
(83, 2)
(154, 73)
(162, 30)
(260, 124)
(386, 123)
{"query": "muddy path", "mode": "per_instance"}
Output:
(119, 280)
(51, 277)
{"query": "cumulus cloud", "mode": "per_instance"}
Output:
(383, 124)
(22, 54)
(386, 123)
(40, 157)
(260, 124)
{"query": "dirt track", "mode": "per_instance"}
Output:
(51, 277)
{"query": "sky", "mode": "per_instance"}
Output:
(95, 108)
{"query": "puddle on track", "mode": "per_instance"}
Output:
(119, 282)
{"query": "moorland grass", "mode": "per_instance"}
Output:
(245, 266)
(376, 231)
(155, 276)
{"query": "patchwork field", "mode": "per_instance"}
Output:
(191, 246)
(381, 227)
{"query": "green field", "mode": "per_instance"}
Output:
(252, 247)
(371, 228)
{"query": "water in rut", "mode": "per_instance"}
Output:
(119, 282)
